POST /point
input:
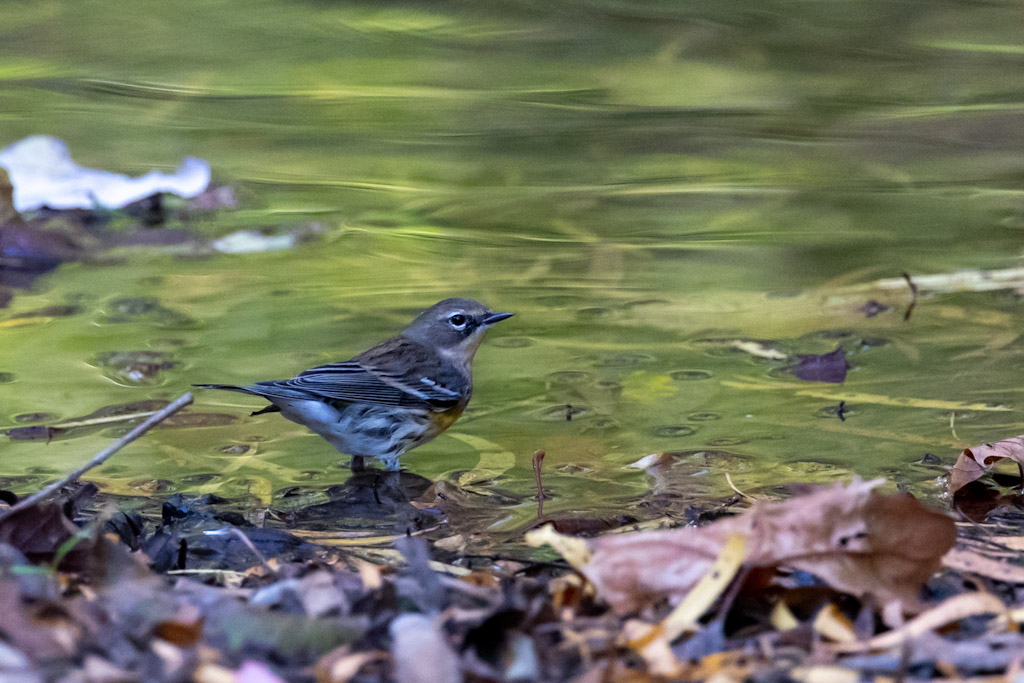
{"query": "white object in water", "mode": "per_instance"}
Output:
(43, 174)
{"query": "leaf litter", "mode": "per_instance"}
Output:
(834, 583)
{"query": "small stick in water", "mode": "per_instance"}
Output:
(913, 296)
(103, 455)
(538, 458)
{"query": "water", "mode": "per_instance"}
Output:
(644, 184)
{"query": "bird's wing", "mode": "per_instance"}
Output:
(397, 372)
(345, 381)
(418, 371)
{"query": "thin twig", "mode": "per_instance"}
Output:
(103, 455)
(744, 496)
(252, 548)
(913, 296)
(538, 458)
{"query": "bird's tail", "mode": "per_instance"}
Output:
(228, 387)
(242, 390)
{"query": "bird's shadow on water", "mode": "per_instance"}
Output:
(369, 498)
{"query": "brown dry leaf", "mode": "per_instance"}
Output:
(856, 539)
(971, 562)
(180, 633)
(977, 460)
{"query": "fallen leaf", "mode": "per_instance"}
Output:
(651, 644)
(756, 348)
(832, 624)
(826, 674)
(684, 618)
(419, 651)
(320, 596)
(44, 534)
(947, 612)
(970, 562)
(574, 550)
(782, 618)
(369, 574)
(340, 665)
(180, 632)
(978, 460)
(856, 539)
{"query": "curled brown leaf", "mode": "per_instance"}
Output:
(856, 539)
(976, 461)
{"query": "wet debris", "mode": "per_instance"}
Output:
(251, 242)
(144, 309)
(26, 251)
(841, 410)
(822, 367)
(872, 308)
(214, 199)
(134, 367)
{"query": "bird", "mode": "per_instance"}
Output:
(393, 397)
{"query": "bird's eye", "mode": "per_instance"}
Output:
(458, 321)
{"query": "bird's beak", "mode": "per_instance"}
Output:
(492, 318)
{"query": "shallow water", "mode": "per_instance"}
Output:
(644, 184)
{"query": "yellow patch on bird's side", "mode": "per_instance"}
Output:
(647, 387)
(446, 419)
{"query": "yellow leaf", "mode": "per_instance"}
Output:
(718, 577)
(574, 550)
(831, 623)
(782, 618)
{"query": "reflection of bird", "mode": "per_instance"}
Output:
(395, 396)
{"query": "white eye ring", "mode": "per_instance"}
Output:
(458, 321)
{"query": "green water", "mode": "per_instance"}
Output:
(642, 183)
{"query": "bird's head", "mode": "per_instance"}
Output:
(455, 327)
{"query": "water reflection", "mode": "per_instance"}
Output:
(665, 194)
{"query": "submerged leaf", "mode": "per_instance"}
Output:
(822, 367)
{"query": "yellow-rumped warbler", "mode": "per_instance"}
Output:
(395, 396)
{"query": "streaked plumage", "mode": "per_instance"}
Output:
(393, 397)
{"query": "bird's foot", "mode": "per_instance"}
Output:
(391, 462)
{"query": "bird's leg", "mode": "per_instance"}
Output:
(358, 463)
(391, 462)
